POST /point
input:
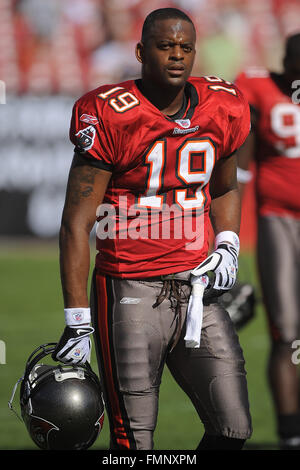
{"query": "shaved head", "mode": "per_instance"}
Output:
(162, 14)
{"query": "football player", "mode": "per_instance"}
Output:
(154, 156)
(274, 144)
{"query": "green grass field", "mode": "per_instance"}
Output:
(32, 314)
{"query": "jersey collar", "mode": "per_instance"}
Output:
(187, 110)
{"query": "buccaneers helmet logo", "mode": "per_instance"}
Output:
(40, 430)
(85, 138)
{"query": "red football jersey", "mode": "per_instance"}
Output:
(154, 217)
(278, 142)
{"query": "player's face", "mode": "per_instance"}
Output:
(169, 53)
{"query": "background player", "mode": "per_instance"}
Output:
(274, 144)
(151, 144)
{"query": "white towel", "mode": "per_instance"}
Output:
(195, 311)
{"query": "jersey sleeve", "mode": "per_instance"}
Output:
(239, 124)
(88, 134)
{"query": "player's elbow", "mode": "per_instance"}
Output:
(73, 229)
(231, 190)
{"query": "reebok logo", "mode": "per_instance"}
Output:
(130, 300)
(178, 130)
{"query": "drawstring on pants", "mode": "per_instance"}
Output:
(172, 289)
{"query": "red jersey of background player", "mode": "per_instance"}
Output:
(154, 216)
(278, 142)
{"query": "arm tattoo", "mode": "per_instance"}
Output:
(81, 183)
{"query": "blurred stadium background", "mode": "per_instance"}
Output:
(51, 52)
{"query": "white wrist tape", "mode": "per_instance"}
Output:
(244, 176)
(229, 237)
(77, 316)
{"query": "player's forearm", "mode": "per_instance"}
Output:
(226, 212)
(74, 265)
(244, 157)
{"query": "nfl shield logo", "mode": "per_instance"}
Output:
(185, 123)
(77, 316)
(77, 353)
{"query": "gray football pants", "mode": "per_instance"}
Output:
(279, 268)
(133, 341)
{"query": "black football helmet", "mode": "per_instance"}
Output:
(62, 405)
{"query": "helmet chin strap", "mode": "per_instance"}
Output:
(10, 403)
(46, 349)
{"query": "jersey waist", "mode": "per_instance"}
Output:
(145, 257)
(277, 185)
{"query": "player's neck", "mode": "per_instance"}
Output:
(169, 101)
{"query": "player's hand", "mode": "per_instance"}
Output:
(223, 262)
(74, 346)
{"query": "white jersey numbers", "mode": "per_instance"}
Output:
(221, 85)
(108, 93)
(122, 101)
(155, 161)
(285, 123)
(189, 174)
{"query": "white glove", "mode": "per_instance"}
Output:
(223, 262)
(74, 346)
